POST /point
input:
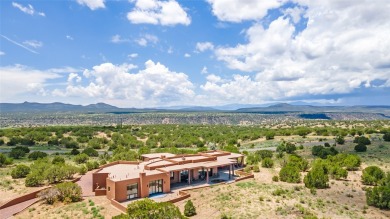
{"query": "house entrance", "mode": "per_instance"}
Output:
(155, 186)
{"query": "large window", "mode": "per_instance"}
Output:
(155, 186)
(132, 191)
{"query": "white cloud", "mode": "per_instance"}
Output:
(92, 4)
(186, 55)
(325, 58)
(237, 11)
(33, 43)
(147, 39)
(152, 86)
(118, 39)
(73, 77)
(69, 37)
(2, 53)
(168, 13)
(170, 50)
(204, 70)
(133, 55)
(29, 9)
(203, 46)
(18, 81)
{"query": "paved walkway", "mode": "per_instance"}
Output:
(86, 184)
(10, 211)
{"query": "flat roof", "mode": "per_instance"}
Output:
(119, 172)
(158, 155)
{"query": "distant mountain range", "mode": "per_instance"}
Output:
(106, 108)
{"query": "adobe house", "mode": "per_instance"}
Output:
(126, 180)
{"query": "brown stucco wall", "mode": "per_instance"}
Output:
(121, 189)
(99, 179)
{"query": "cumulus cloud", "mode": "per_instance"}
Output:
(167, 13)
(92, 4)
(324, 58)
(2, 53)
(152, 86)
(186, 55)
(204, 70)
(29, 9)
(203, 46)
(237, 11)
(69, 37)
(17, 81)
(133, 55)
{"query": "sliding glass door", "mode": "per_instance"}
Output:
(155, 186)
(132, 191)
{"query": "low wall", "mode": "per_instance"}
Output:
(182, 195)
(100, 192)
(22, 198)
(118, 205)
(251, 176)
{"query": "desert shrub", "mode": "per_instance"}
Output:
(147, 208)
(287, 147)
(256, 169)
(279, 192)
(316, 178)
(337, 172)
(340, 139)
(23, 148)
(50, 195)
(58, 160)
(20, 171)
(248, 169)
(74, 151)
(36, 155)
(55, 173)
(90, 152)
(264, 153)
(362, 140)
(17, 153)
(360, 148)
(372, 175)
(301, 163)
(290, 174)
(326, 144)
(4, 160)
(379, 197)
(81, 158)
(33, 179)
(83, 170)
(69, 192)
(123, 153)
(352, 162)
(70, 170)
(189, 209)
(91, 165)
(323, 152)
(252, 159)
(275, 178)
(386, 136)
(1, 141)
(267, 162)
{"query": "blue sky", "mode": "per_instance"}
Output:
(148, 53)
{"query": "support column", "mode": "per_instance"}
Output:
(189, 177)
(230, 169)
(207, 175)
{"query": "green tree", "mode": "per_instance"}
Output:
(362, 140)
(69, 192)
(74, 151)
(4, 160)
(33, 179)
(20, 171)
(81, 158)
(55, 173)
(267, 162)
(337, 172)
(316, 178)
(379, 197)
(290, 174)
(149, 209)
(17, 153)
(352, 162)
(36, 155)
(58, 160)
(90, 152)
(340, 139)
(372, 175)
(386, 136)
(189, 209)
(360, 148)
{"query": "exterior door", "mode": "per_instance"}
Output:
(155, 186)
(132, 191)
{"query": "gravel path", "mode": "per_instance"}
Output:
(86, 184)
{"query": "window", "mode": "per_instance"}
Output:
(132, 191)
(172, 175)
(109, 188)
